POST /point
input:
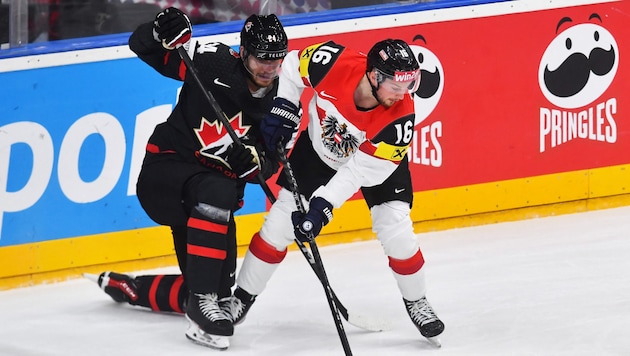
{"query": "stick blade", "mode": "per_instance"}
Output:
(369, 323)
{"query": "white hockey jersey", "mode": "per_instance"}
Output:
(364, 146)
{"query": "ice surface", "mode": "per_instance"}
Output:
(547, 286)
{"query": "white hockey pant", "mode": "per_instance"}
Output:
(394, 230)
(269, 247)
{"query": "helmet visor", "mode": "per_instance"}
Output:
(411, 79)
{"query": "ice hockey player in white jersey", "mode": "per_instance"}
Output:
(361, 122)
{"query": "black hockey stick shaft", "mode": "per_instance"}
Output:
(318, 272)
(318, 265)
(220, 113)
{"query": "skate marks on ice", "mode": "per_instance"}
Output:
(548, 286)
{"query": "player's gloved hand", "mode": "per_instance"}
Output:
(307, 226)
(268, 167)
(244, 161)
(172, 28)
(281, 123)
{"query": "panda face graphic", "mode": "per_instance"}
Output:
(578, 65)
(428, 94)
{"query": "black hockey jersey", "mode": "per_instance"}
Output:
(193, 130)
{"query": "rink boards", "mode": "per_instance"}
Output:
(520, 113)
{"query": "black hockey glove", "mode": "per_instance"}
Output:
(244, 161)
(308, 226)
(281, 123)
(268, 167)
(172, 27)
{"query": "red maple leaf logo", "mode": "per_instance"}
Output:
(214, 134)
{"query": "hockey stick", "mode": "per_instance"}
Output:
(356, 320)
(320, 272)
(360, 321)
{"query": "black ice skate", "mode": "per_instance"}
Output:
(121, 287)
(208, 324)
(237, 305)
(424, 318)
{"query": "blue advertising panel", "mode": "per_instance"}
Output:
(72, 139)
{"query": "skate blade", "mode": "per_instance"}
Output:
(91, 277)
(435, 341)
(198, 336)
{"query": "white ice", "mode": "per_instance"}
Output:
(547, 286)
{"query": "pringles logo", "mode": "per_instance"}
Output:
(426, 149)
(575, 72)
(429, 92)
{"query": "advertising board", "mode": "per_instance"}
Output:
(525, 101)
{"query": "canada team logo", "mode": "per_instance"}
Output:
(575, 71)
(214, 138)
(429, 92)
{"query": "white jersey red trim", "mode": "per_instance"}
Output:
(364, 146)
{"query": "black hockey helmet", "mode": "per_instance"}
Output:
(263, 37)
(393, 59)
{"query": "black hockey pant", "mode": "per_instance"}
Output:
(205, 247)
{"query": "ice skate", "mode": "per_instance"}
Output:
(208, 324)
(424, 318)
(237, 305)
(120, 287)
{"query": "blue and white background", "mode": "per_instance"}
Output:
(69, 163)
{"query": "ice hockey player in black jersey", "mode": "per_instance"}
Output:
(193, 175)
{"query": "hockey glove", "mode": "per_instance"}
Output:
(172, 27)
(268, 167)
(308, 226)
(244, 161)
(281, 123)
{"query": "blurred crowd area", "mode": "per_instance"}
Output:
(28, 21)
